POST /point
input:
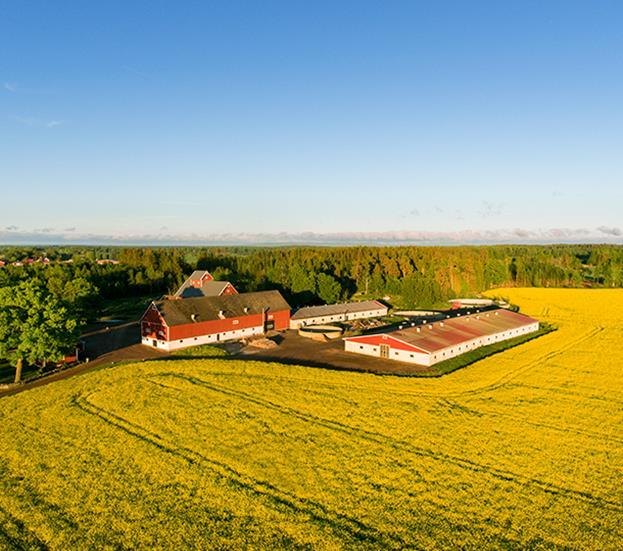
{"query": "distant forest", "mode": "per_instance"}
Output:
(409, 276)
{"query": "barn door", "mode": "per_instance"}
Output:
(384, 351)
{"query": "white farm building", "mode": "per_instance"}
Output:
(329, 313)
(431, 343)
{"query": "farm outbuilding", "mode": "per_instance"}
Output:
(202, 284)
(428, 344)
(329, 313)
(174, 324)
(457, 303)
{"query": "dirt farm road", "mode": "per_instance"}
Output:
(105, 346)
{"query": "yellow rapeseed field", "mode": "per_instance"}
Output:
(522, 449)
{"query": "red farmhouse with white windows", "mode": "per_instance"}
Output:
(201, 283)
(174, 324)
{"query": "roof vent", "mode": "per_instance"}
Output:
(194, 317)
(496, 313)
(430, 326)
(441, 323)
(246, 309)
(418, 329)
(221, 314)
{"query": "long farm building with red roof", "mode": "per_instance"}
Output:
(431, 343)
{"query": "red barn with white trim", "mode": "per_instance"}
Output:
(174, 324)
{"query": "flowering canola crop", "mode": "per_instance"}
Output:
(524, 448)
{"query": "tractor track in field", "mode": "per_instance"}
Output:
(280, 498)
(500, 382)
(384, 440)
(20, 537)
(509, 376)
(23, 492)
(484, 413)
(380, 486)
(575, 394)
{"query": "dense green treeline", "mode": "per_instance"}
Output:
(414, 276)
(46, 301)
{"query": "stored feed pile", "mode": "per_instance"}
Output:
(524, 448)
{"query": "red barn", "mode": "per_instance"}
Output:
(202, 284)
(173, 324)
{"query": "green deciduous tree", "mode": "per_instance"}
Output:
(328, 287)
(35, 325)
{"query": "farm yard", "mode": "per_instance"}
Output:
(523, 448)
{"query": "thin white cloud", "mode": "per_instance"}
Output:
(615, 232)
(37, 123)
(26, 121)
(9, 86)
(405, 237)
(135, 72)
(490, 210)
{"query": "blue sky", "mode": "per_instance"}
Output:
(208, 121)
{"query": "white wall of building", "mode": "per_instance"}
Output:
(204, 339)
(439, 355)
(320, 320)
(461, 348)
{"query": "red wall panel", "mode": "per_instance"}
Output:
(282, 321)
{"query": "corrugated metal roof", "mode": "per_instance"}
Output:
(335, 309)
(181, 312)
(454, 331)
(208, 289)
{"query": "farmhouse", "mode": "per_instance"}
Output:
(315, 315)
(201, 283)
(428, 344)
(173, 324)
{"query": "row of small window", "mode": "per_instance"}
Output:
(395, 353)
(234, 332)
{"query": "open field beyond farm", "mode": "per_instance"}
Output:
(523, 448)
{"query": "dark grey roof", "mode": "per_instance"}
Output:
(208, 289)
(335, 309)
(181, 312)
(198, 274)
